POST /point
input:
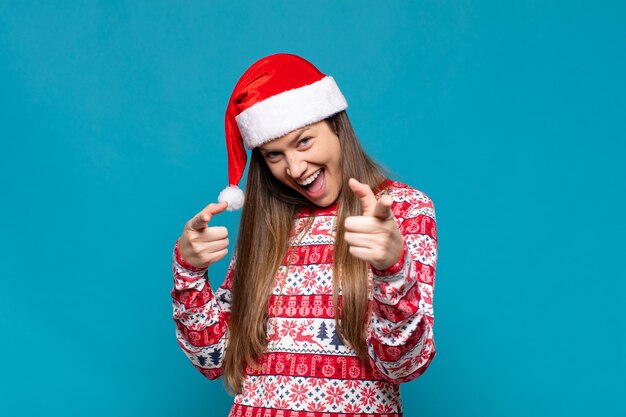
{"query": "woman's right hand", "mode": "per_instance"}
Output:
(201, 245)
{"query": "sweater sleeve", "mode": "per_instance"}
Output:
(201, 316)
(400, 338)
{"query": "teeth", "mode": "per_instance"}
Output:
(311, 178)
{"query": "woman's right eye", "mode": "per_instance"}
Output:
(272, 155)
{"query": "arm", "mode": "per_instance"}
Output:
(201, 316)
(401, 340)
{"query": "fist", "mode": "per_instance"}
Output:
(374, 236)
(201, 245)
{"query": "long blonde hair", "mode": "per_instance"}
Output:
(264, 231)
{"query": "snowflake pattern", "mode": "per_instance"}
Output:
(329, 396)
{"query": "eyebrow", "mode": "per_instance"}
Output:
(304, 129)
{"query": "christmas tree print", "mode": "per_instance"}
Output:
(322, 335)
(201, 359)
(216, 355)
(335, 340)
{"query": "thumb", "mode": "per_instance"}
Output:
(200, 220)
(365, 194)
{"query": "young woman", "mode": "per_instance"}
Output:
(327, 303)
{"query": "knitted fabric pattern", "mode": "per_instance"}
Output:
(307, 370)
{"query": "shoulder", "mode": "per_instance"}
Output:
(407, 201)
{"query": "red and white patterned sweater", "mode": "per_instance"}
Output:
(307, 370)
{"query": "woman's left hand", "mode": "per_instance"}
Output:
(374, 236)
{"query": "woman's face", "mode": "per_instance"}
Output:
(307, 160)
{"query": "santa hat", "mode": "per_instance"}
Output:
(276, 95)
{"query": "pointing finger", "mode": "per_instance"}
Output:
(382, 210)
(214, 233)
(364, 224)
(365, 194)
(201, 220)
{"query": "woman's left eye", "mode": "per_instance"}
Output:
(304, 141)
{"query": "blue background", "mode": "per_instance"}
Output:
(510, 115)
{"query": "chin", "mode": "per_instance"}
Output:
(325, 202)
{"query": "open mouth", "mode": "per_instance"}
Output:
(314, 184)
(310, 179)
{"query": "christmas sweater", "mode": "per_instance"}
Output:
(307, 370)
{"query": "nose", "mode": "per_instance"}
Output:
(296, 167)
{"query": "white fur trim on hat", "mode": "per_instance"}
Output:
(233, 195)
(290, 110)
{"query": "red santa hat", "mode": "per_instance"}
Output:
(276, 95)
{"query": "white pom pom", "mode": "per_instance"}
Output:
(233, 195)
